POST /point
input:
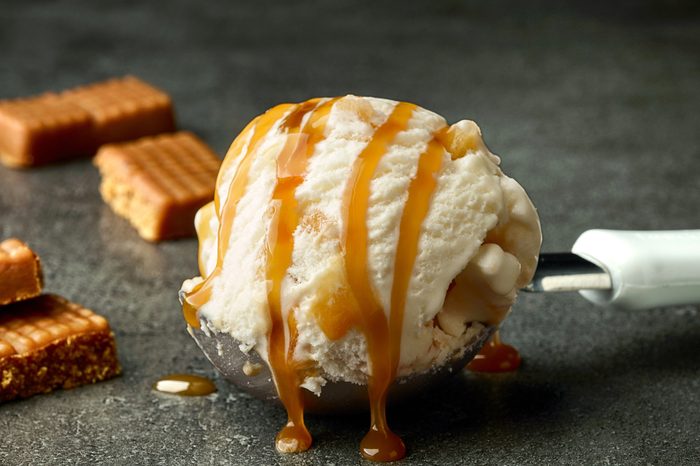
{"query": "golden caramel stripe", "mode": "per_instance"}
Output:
(203, 228)
(291, 168)
(260, 126)
(420, 192)
(202, 292)
(372, 320)
(239, 183)
(237, 147)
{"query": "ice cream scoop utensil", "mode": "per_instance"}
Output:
(627, 269)
(565, 271)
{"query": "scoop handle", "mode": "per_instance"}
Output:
(648, 268)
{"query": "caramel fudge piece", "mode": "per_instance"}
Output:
(124, 109)
(20, 272)
(158, 183)
(48, 343)
(43, 129)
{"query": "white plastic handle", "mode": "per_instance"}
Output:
(648, 268)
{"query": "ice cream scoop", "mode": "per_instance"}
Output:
(356, 242)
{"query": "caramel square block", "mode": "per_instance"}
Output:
(48, 343)
(43, 129)
(123, 109)
(158, 183)
(20, 272)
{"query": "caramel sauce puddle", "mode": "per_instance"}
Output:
(184, 385)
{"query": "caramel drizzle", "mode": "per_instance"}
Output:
(261, 126)
(380, 443)
(291, 168)
(414, 212)
(203, 228)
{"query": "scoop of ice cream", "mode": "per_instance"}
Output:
(358, 239)
(476, 245)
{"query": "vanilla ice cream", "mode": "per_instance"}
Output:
(358, 239)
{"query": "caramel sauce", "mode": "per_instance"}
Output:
(184, 385)
(291, 167)
(371, 319)
(203, 228)
(495, 356)
(380, 444)
(339, 315)
(414, 212)
(190, 313)
(260, 127)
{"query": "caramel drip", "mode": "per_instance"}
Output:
(291, 168)
(495, 356)
(262, 125)
(259, 126)
(184, 385)
(380, 443)
(203, 228)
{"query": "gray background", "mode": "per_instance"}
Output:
(593, 108)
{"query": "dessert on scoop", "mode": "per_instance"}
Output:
(359, 240)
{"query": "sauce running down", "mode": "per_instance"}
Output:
(495, 356)
(184, 385)
(355, 304)
(246, 144)
(291, 168)
(380, 443)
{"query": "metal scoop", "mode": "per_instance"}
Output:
(632, 270)
(224, 353)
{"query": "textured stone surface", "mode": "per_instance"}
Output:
(593, 108)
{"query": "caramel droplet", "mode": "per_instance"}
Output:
(185, 385)
(382, 445)
(293, 438)
(495, 356)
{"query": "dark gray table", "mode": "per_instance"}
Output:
(593, 108)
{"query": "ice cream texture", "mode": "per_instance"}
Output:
(358, 239)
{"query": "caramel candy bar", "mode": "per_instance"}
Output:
(158, 183)
(48, 343)
(20, 272)
(53, 127)
(43, 129)
(124, 109)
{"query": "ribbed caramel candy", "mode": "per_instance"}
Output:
(158, 183)
(20, 272)
(43, 129)
(48, 342)
(123, 109)
(52, 127)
